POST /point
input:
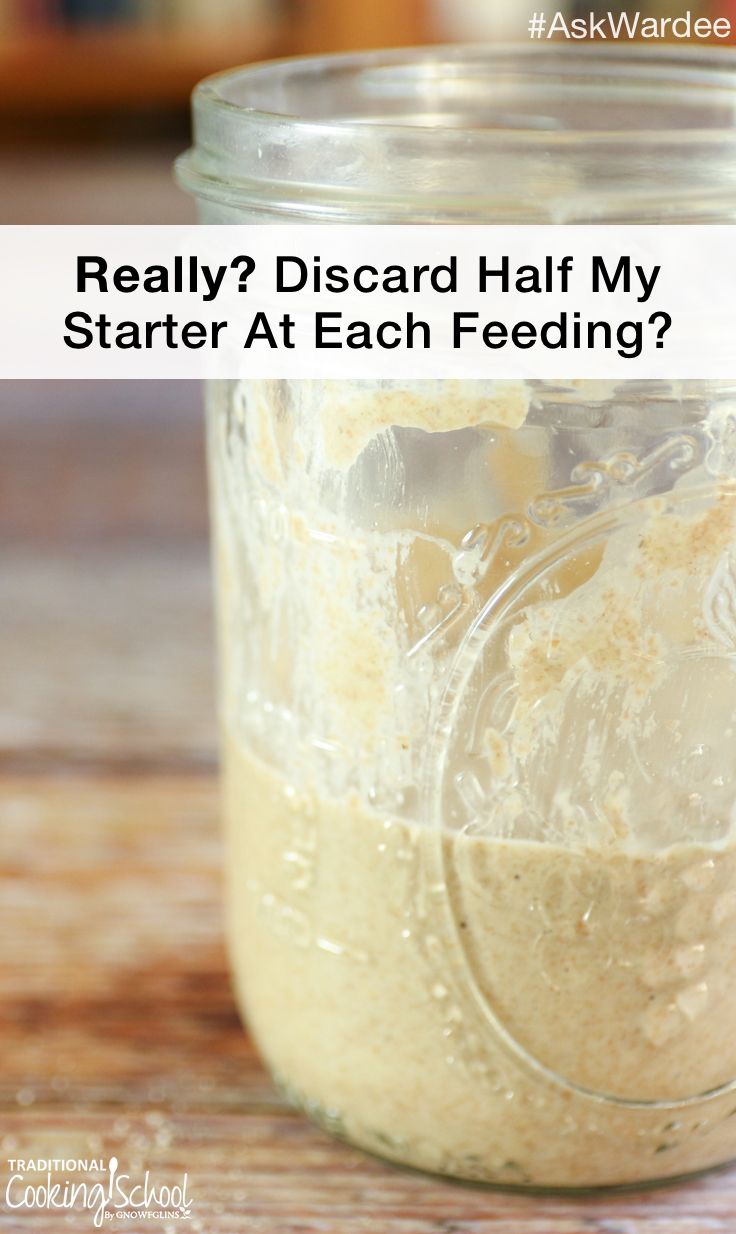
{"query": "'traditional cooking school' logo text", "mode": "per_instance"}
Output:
(112, 1196)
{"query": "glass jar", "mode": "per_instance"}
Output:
(478, 649)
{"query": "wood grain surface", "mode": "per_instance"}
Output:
(118, 1031)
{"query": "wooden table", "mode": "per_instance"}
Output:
(119, 1035)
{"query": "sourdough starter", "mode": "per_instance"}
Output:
(479, 781)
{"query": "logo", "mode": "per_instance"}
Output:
(108, 1194)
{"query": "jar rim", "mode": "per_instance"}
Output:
(709, 68)
(263, 127)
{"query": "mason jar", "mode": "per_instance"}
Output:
(478, 648)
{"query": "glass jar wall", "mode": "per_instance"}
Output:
(477, 649)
